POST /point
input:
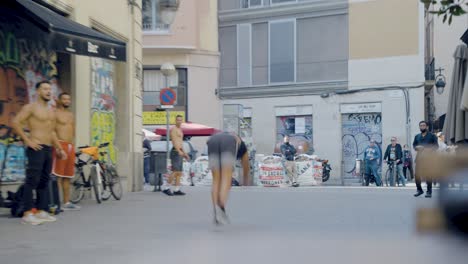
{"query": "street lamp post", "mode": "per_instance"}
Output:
(167, 69)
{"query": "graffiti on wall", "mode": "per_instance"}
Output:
(24, 60)
(23, 63)
(358, 130)
(103, 104)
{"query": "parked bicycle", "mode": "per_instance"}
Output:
(103, 178)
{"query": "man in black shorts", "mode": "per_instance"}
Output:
(177, 155)
(223, 151)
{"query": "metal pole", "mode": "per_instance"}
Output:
(167, 128)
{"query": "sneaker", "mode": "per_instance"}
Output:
(71, 207)
(419, 193)
(45, 217)
(179, 192)
(168, 192)
(295, 184)
(428, 195)
(221, 216)
(31, 219)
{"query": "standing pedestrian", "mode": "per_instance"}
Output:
(177, 155)
(408, 163)
(421, 141)
(289, 151)
(223, 150)
(64, 169)
(394, 153)
(441, 141)
(146, 161)
(372, 157)
(41, 121)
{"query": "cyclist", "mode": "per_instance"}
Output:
(394, 153)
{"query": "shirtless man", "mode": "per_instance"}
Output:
(41, 123)
(64, 169)
(177, 155)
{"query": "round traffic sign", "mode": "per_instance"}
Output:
(167, 96)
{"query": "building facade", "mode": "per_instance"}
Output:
(191, 45)
(441, 41)
(87, 53)
(331, 74)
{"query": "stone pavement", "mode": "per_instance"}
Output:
(301, 225)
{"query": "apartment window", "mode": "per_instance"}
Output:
(151, 18)
(154, 81)
(282, 1)
(282, 51)
(244, 55)
(251, 3)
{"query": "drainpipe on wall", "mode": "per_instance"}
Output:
(132, 4)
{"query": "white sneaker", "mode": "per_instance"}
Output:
(221, 216)
(31, 219)
(147, 187)
(45, 217)
(71, 207)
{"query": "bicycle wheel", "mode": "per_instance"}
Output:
(393, 179)
(387, 177)
(106, 192)
(77, 188)
(96, 186)
(114, 182)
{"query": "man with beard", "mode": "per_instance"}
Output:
(424, 140)
(64, 169)
(41, 121)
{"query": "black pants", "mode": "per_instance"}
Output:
(410, 169)
(37, 178)
(418, 184)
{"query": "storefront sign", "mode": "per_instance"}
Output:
(361, 108)
(294, 110)
(92, 48)
(159, 118)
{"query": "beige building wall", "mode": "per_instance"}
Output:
(122, 21)
(383, 28)
(191, 43)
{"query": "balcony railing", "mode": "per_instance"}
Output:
(156, 27)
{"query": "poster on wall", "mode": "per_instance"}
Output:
(103, 103)
(299, 129)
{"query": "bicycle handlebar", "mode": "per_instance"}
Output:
(103, 145)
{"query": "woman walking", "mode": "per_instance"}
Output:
(223, 151)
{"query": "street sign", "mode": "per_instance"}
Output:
(167, 96)
(167, 106)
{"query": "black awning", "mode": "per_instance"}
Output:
(68, 36)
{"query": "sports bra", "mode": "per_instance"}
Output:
(241, 150)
